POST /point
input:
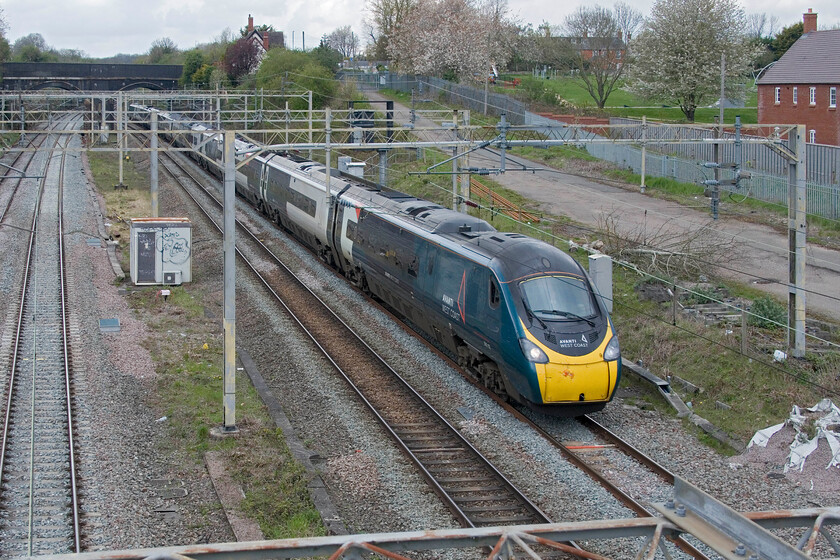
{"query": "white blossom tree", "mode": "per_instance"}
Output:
(456, 38)
(678, 54)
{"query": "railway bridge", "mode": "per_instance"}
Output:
(74, 76)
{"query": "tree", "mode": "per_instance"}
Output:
(785, 39)
(344, 41)
(381, 19)
(31, 48)
(453, 38)
(202, 76)
(628, 19)
(678, 54)
(599, 56)
(193, 60)
(760, 30)
(761, 26)
(5, 48)
(241, 58)
(326, 56)
(162, 51)
(283, 69)
(263, 29)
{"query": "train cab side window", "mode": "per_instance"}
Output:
(495, 297)
(352, 231)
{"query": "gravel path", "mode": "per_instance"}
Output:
(127, 472)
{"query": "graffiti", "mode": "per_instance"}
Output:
(173, 247)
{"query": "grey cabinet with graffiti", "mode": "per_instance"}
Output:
(161, 250)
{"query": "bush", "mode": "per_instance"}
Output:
(768, 314)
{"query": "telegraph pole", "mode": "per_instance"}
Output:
(796, 237)
(229, 397)
(153, 163)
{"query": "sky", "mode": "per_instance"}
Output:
(102, 28)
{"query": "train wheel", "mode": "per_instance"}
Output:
(492, 379)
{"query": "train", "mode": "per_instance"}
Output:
(518, 314)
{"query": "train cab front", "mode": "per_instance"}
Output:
(567, 337)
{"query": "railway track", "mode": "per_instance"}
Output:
(475, 492)
(464, 488)
(40, 512)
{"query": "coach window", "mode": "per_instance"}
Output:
(495, 295)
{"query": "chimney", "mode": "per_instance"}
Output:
(250, 23)
(265, 41)
(809, 22)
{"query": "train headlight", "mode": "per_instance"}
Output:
(533, 352)
(612, 351)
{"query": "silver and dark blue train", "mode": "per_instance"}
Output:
(519, 314)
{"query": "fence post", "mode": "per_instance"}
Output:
(674, 306)
(744, 331)
(644, 152)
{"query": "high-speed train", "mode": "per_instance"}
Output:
(517, 313)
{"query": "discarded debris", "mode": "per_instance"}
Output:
(826, 427)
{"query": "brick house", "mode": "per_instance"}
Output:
(801, 87)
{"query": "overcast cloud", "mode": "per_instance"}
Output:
(104, 28)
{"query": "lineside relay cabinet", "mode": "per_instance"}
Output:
(160, 251)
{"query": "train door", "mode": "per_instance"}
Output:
(349, 230)
(263, 189)
(483, 300)
(450, 286)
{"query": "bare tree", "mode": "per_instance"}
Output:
(761, 25)
(599, 52)
(628, 19)
(381, 19)
(344, 41)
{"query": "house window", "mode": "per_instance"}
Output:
(832, 97)
(778, 95)
(812, 136)
(813, 95)
(795, 95)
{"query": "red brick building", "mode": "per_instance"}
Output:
(801, 87)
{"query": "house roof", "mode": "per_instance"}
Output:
(594, 43)
(812, 59)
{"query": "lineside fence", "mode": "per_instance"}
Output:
(681, 162)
